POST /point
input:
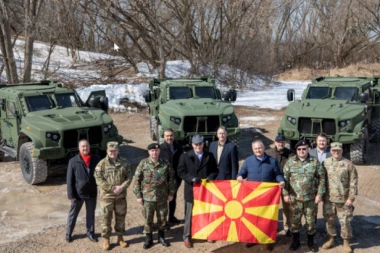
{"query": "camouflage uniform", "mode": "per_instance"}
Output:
(300, 179)
(154, 182)
(342, 181)
(108, 175)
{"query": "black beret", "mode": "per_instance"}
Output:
(280, 138)
(302, 143)
(153, 146)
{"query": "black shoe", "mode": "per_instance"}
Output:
(295, 242)
(249, 245)
(69, 238)
(174, 220)
(311, 244)
(161, 238)
(93, 238)
(148, 241)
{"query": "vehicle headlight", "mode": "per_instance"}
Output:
(344, 123)
(226, 118)
(175, 120)
(53, 136)
(291, 120)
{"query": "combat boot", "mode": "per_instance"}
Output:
(106, 244)
(148, 241)
(311, 244)
(121, 242)
(347, 247)
(295, 242)
(161, 238)
(329, 244)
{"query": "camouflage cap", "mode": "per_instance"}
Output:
(153, 146)
(302, 143)
(336, 146)
(112, 145)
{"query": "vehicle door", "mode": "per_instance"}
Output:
(10, 122)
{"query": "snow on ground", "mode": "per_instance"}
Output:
(64, 67)
(274, 97)
(246, 122)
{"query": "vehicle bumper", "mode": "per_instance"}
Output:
(59, 153)
(342, 137)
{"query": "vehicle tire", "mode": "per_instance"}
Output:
(375, 126)
(358, 151)
(1, 156)
(33, 169)
(235, 140)
(153, 128)
(160, 137)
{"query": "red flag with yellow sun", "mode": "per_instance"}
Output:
(227, 210)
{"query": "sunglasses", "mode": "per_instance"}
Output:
(303, 149)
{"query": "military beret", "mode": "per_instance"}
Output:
(280, 138)
(302, 143)
(336, 146)
(197, 139)
(112, 145)
(153, 146)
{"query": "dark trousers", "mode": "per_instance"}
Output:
(90, 215)
(173, 203)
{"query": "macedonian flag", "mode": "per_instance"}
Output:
(227, 210)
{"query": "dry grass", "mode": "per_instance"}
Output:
(352, 70)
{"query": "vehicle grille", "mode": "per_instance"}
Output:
(73, 136)
(205, 124)
(307, 126)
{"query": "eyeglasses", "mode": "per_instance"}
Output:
(301, 149)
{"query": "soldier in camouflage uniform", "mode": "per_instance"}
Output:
(300, 173)
(113, 175)
(154, 186)
(342, 181)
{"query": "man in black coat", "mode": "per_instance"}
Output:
(171, 151)
(226, 155)
(82, 188)
(193, 166)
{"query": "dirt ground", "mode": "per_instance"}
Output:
(32, 218)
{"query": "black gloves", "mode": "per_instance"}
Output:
(196, 180)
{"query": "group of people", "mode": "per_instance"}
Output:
(307, 178)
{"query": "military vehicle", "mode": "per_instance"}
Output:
(347, 109)
(190, 106)
(41, 124)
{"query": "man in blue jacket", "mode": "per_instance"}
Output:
(260, 167)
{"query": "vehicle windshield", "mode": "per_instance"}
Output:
(67, 100)
(39, 103)
(318, 92)
(180, 93)
(205, 92)
(345, 93)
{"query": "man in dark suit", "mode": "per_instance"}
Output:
(226, 155)
(322, 151)
(171, 151)
(193, 166)
(82, 188)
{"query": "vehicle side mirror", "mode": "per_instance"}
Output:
(290, 95)
(147, 96)
(229, 95)
(364, 97)
(104, 103)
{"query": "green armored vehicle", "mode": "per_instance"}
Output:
(190, 106)
(347, 109)
(42, 123)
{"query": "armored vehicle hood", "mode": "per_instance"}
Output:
(197, 107)
(66, 118)
(324, 108)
